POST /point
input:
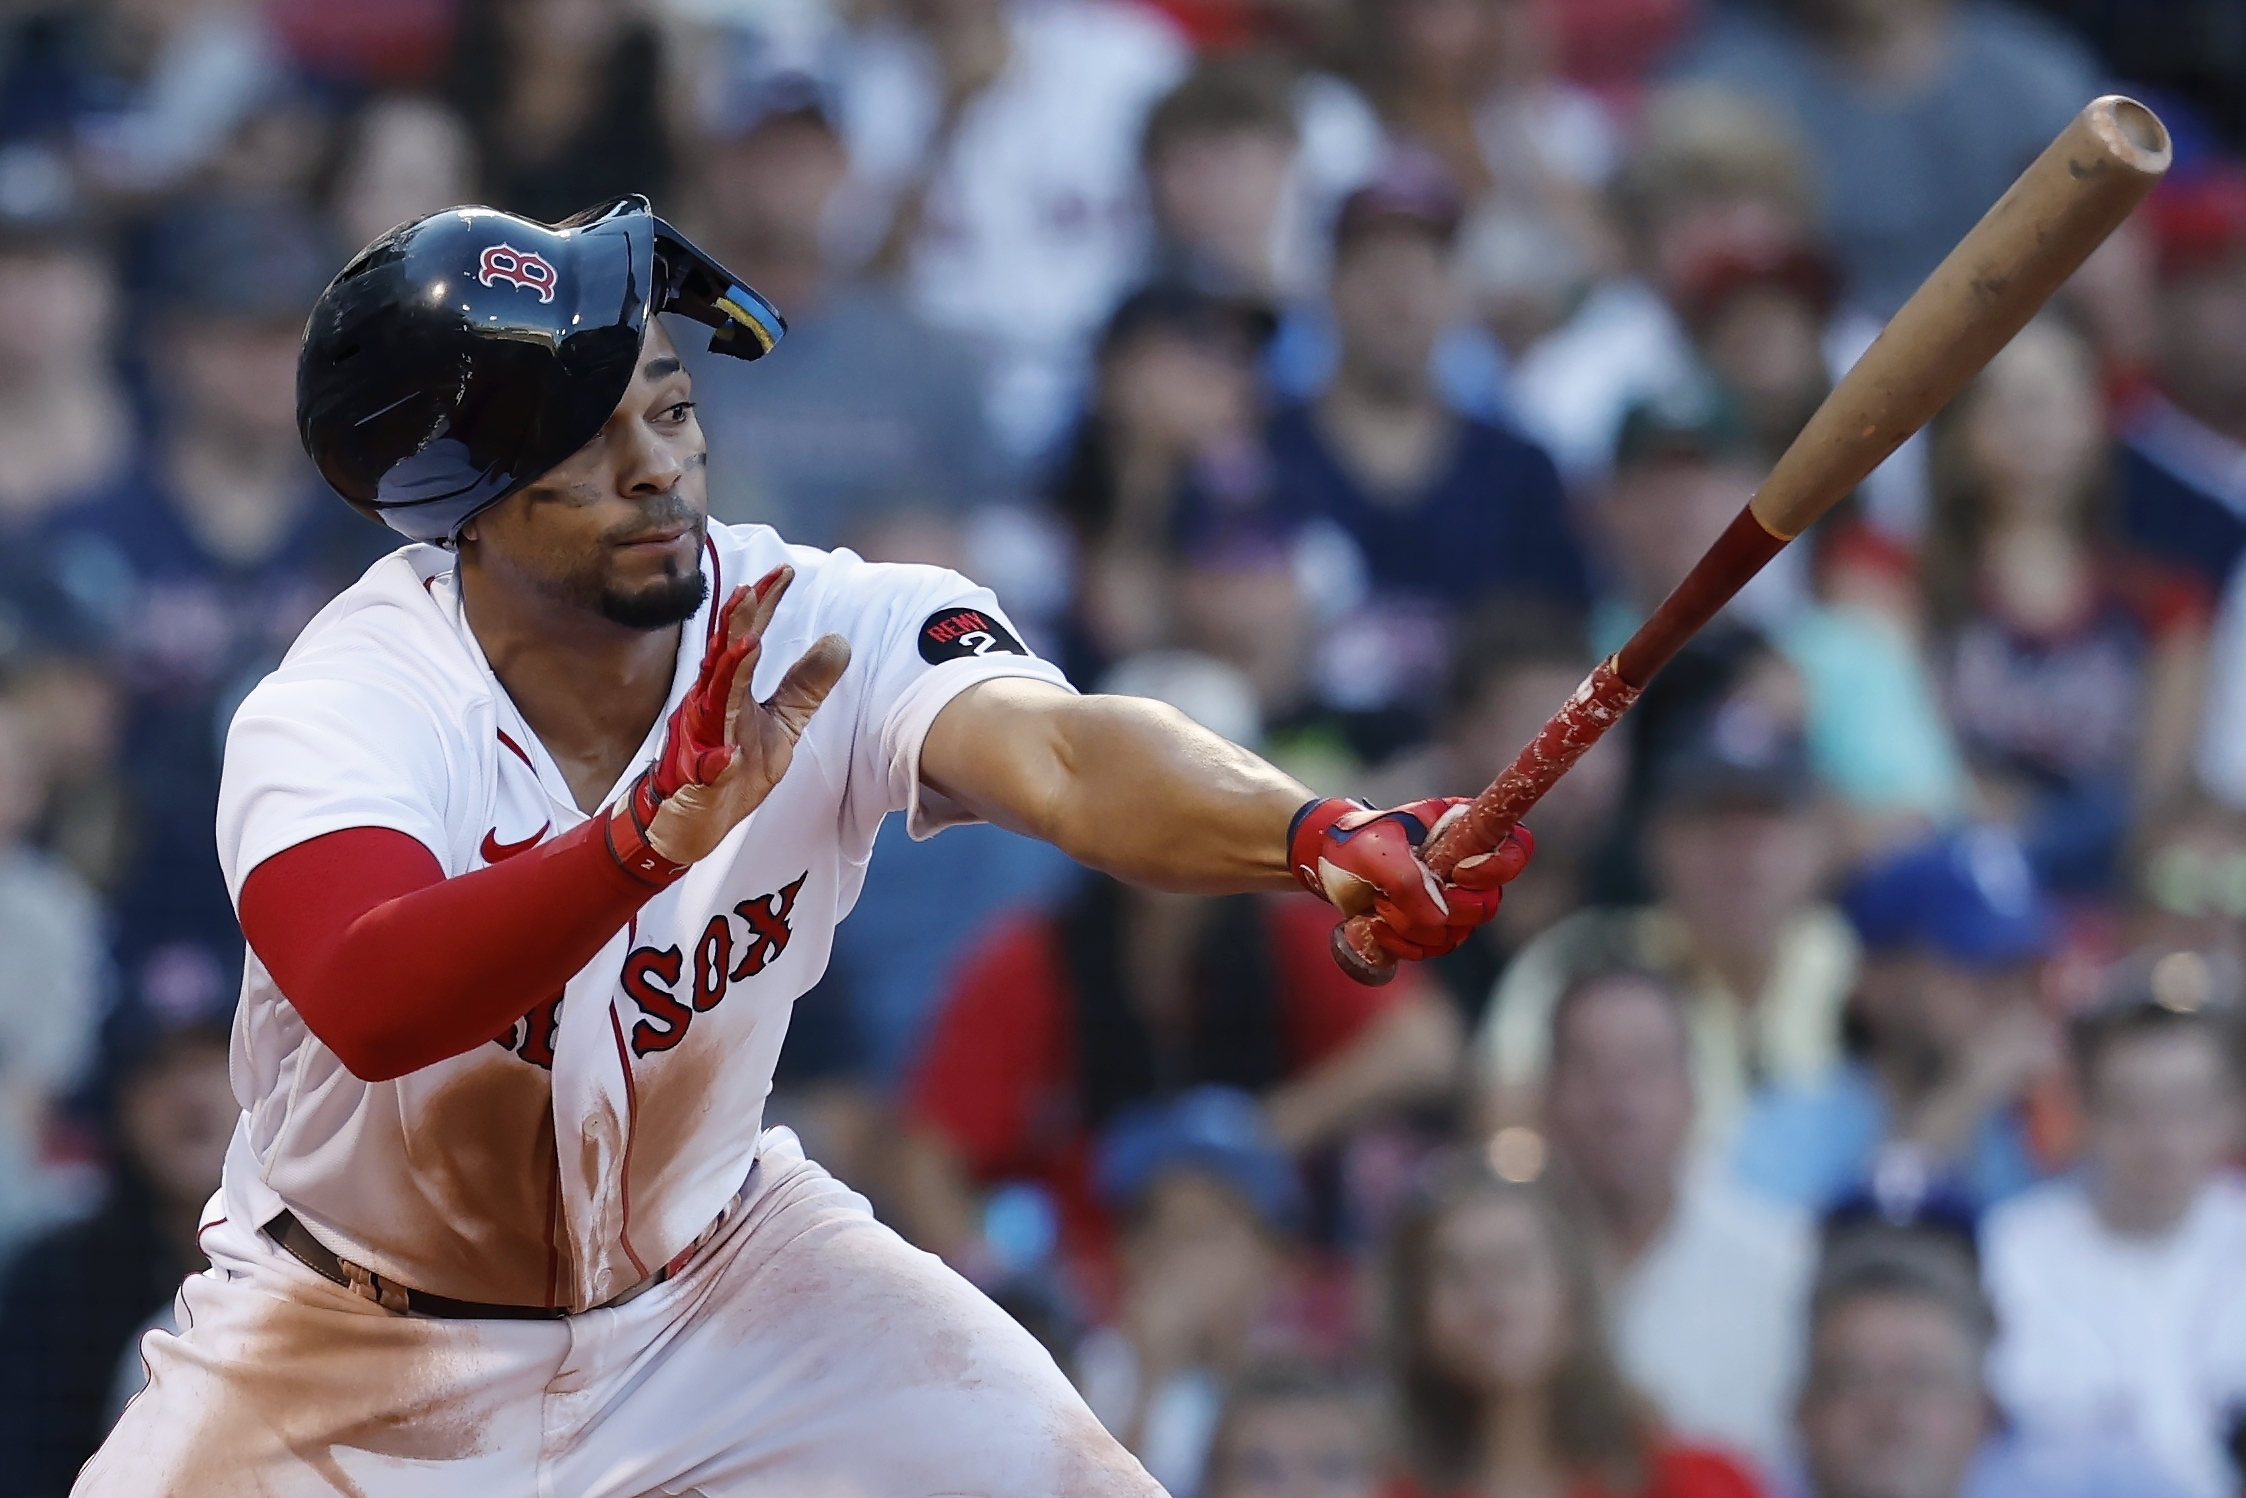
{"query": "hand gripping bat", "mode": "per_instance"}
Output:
(2046, 224)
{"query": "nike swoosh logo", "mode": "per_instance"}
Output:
(495, 851)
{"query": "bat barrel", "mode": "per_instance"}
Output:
(2062, 207)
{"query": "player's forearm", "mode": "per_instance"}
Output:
(1127, 786)
(395, 967)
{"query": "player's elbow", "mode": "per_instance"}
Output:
(375, 1041)
(371, 1052)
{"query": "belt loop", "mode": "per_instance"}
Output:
(367, 1285)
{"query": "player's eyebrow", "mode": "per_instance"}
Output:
(661, 367)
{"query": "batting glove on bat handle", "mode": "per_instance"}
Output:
(1368, 864)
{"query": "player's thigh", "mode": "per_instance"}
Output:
(277, 1387)
(824, 1357)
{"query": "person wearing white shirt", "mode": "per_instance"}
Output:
(2122, 1292)
(995, 154)
(1708, 1283)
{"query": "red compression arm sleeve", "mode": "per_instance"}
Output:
(395, 967)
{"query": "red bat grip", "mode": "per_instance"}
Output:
(1566, 737)
(1597, 705)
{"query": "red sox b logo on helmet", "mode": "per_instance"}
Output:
(525, 268)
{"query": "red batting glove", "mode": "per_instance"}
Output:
(1365, 861)
(694, 748)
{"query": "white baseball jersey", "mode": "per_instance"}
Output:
(566, 1160)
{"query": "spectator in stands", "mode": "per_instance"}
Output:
(1053, 1023)
(58, 679)
(1175, 393)
(1245, 591)
(1207, 1201)
(1737, 848)
(2189, 889)
(565, 100)
(66, 427)
(1445, 508)
(1501, 1364)
(2183, 452)
(403, 158)
(1446, 512)
(2119, 1292)
(1473, 81)
(71, 1303)
(1293, 1431)
(134, 99)
(1219, 155)
(994, 152)
(1759, 311)
(1712, 174)
(1514, 664)
(1894, 1405)
(2071, 670)
(50, 981)
(1708, 1284)
(1951, 1038)
(1918, 114)
(205, 562)
(872, 422)
(1684, 465)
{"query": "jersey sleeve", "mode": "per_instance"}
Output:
(314, 751)
(933, 634)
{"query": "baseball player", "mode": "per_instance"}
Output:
(536, 835)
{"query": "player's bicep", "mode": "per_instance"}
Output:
(297, 905)
(1000, 748)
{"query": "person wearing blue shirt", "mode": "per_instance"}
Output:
(1437, 512)
(1949, 1037)
(201, 563)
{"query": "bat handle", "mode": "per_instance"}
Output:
(1565, 738)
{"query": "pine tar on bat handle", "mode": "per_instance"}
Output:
(2063, 206)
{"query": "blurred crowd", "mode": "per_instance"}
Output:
(1847, 1102)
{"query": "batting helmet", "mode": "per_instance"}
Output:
(456, 359)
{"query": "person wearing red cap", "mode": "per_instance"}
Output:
(2183, 465)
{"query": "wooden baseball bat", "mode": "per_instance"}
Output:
(2046, 224)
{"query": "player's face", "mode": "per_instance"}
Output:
(616, 527)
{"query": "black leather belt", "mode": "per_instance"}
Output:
(407, 1301)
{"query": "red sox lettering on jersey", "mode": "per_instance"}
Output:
(652, 975)
(602, 1131)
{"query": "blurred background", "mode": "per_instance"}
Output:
(1846, 1103)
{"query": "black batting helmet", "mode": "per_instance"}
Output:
(456, 359)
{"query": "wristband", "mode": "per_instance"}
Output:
(630, 847)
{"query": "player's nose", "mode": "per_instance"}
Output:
(649, 463)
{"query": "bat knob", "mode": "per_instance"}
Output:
(1350, 956)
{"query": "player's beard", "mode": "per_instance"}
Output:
(671, 599)
(657, 605)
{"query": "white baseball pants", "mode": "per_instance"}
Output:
(806, 1352)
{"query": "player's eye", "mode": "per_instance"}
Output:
(677, 411)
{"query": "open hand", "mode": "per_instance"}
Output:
(725, 751)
